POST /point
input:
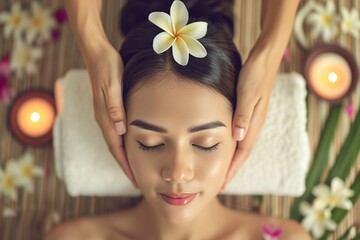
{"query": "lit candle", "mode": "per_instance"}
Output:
(331, 72)
(32, 116)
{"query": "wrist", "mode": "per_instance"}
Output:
(268, 51)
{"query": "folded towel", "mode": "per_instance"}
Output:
(277, 164)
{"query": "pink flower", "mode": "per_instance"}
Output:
(271, 232)
(5, 65)
(60, 16)
(55, 34)
(287, 54)
(350, 109)
(6, 93)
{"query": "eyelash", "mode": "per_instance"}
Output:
(153, 148)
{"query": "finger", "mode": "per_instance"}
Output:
(245, 147)
(242, 117)
(238, 159)
(115, 145)
(115, 108)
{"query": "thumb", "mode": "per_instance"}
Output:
(242, 118)
(115, 110)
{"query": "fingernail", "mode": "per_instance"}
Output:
(239, 134)
(120, 127)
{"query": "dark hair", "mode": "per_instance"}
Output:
(219, 70)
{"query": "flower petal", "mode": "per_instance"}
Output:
(195, 30)
(179, 15)
(337, 185)
(318, 230)
(345, 204)
(162, 20)
(180, 52)
(305, 208)
(321, 190)
(4, 17)
(162, 42)
(195, 48)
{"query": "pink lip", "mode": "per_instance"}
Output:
(178, 199)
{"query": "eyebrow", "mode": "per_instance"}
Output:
(152, 127)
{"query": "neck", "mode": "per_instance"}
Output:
(157, 227)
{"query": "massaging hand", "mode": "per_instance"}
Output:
(105, 69)
(253, 93)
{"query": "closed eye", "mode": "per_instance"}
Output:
(149, 148)
(207, 149)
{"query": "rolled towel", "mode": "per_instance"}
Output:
(277, 164)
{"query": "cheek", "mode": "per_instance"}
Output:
(214, 167)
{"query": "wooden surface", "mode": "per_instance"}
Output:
(50, 194)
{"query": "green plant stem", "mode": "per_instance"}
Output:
(348, 153)
(320, 159)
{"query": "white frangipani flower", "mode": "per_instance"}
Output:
(26, 170)
(8, 182)
(15, 21)
(350, 22)
(182, 37)
(24, 58)
(324, 21)
(337, 196)
(317, 218)
(40, 23)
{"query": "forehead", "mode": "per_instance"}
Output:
(170, 99)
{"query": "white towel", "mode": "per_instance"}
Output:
(277, 164)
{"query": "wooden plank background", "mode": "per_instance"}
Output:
(50, 194)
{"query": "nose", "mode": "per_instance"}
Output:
(178, 169)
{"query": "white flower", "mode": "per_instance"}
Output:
(24, 58)
(15, 21)
(337, 196)
(40, 23)
(324, 21)
(317, 219)
(26, 170)
(8, 212)
(181, 37)
(350, 22)
(8, 182)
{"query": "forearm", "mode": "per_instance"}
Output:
(85, 22)
(277, 18)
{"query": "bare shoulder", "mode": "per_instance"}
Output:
(291, 229)
(84, 228)
(254, 223)
(99, 227)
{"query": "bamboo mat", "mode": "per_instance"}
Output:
(33, 210)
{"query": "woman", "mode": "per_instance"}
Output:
(179, 143)
(256, 79)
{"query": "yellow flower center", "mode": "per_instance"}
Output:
(9, 182)
(37, 22)
(333, 200)
(27, 171)
(348, 24)
(326, 19)
(16, 20)
(320, 216)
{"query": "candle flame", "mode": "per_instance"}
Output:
(332, 77)
(35, 117)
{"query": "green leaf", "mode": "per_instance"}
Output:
(345, 236)
(339, 214)
(320, 159)
(348, 153)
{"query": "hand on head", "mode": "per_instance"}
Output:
(105, 70)
(253, 93)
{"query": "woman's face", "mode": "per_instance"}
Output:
(179, 145)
